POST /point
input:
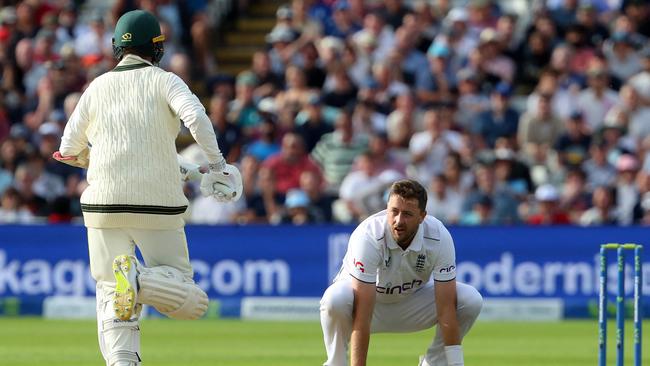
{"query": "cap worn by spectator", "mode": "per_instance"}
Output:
(315, 99)
(267, 105)
(467, 75)
(504, 154)
(246, 78)
(576, 116)
(280, 33)
(49, 129)
(8, 15)
(488, 35)
(504, 89)
(341, 5)
(546, 193)
(284, 12)
(296, 198)
(438, 49)
(19, 131)
(458, 15)
(626, 163)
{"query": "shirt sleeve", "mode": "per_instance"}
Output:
(190, 110)
(363, 258)
(444, 269)
(74, 138)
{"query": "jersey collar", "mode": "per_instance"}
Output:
(416, 244)
(132, 59)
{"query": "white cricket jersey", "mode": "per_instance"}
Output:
(373, 256)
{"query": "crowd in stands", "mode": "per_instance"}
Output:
(506, 119)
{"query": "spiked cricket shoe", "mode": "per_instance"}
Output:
(125, 297)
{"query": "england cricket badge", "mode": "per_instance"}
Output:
(419, 263)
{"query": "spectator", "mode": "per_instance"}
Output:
(12, 210)
(627, 192)
(573, 144)
(481, 212)
(320, 201)
(575, 199)
(336, 151)
(242, 110)
(600, 172)
(596, 100)
(549, 212)
(602, 212)
(539, 128)
(290, 163)
(443, 202)
(499, 121)
(266, 144)
(314, 126)
(298, 210)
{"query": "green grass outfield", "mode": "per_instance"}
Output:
(34, 341)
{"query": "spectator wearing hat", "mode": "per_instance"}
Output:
(511, 172)
(481, 212)
(503, 207)
(587, 17)
(631, 114)
(597, 99)
(339, 91)
(471, 102)
(492, 60)
(342, 24)
(539, 128)
(313, 125)
(457, 33)
(438, 81)
(242, 110)
(602, 212)
(641, 81)
(376, 29)
(622, 57)
(297, 209)
(336, 151)
(499, 121)
(573, 143)
(95, 40)
(627, 192)
(548, 210)
(281, 51)
(575, 199)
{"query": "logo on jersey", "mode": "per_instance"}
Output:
(389, 289)
(419, 263)
(447, 269)
(359, 265)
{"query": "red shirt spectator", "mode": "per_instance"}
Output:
(290, 163)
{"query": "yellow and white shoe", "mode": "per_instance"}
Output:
(126, 291)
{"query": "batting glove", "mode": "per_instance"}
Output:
(224, 185)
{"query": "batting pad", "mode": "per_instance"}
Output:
(166, 289)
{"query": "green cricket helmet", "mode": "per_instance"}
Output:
(140, 30)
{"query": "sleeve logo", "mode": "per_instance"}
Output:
(447, 269)
(359, 265)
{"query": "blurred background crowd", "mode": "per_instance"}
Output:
(536, 115)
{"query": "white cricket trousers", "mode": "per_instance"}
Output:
(119, 341)
(414, 313)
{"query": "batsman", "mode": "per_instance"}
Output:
(123, 131)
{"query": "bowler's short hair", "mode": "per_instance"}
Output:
(410, 189)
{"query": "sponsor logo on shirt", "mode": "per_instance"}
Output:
(389, 289)
(387, 261)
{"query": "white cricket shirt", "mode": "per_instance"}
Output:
(373, 256)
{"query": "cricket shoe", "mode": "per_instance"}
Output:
(126, 290)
